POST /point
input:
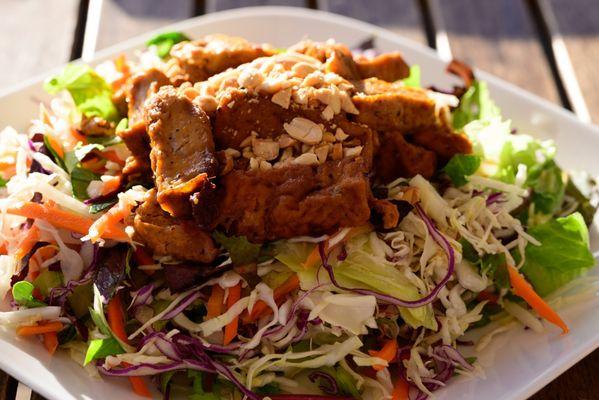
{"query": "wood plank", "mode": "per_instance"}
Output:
(31, 39)
(400, 16)
(577, 383)
(499, 38)
(120, 20)
(577, 24)
(219, 5)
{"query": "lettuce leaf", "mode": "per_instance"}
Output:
(241, 250)
(563, 255)
(22, 292)
(548, 187)
(102, 348)
(460, 166)
(361, 269)
(475, 104)
(90, 92)
(413, 80)
(165, 41)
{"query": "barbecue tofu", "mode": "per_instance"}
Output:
(182, 155)
(168, 236)
(198, 60)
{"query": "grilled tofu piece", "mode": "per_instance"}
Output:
(182, 155)
(198, 60)
(168, 236)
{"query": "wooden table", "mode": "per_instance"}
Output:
(549, 47)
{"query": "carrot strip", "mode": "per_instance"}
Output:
(30, 239)
(79, 137)
(56, 146)
(29, 330)
(387, 353)
(63, 219)
(231, 328)
(116, 321)
(401, 390)
(313, 258)
(139, 386)
(51, 342)
(215, 306)
(111, 185)
(523, 289)
(116, 317)
(110, 222)
(262, 309)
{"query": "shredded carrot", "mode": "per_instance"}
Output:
(29, 330)
(116, 321)
(215, 305)
(64, 219)
(112, 155)
(110, 222)
(313, 258)
(56, 146)
(3, 249)
(79, 137)
(94, 164)
(387, 353)
(30, 239)
(401, 390)
(5, 165)
(116, 317)
(231, 328)
(51, 342)
(523, 289)
(111, 185)
(280, 293)
(139, 386)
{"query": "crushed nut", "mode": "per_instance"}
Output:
(306, 159)
(250, 78)
(328, 113)
(337, 152)
(265, 148)
(265, 165)
(282, 98)
(352, 151)
(304, 130)
(254, 164)
(206, 103)
(246, 142)
(340, 135)
(328, 137)
(321, 153)
(286, 141)
(302, 69)
(287, 154)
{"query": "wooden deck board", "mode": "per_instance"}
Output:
(499, 38)
(32, 48)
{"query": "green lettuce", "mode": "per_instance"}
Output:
(90, 92)
(22, 293)
(413, 80)
(361, 269)
(241, 250)
(165, 41)
(562, 256)
(475, 104)
(102, 348)
(461, 166)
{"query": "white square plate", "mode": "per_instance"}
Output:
(516, 365)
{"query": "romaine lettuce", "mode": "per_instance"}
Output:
(562, 256)
(90, 92)
(461, 166)
(475, 104)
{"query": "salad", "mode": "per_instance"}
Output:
(218, 219)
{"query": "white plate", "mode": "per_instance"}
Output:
(516, 366)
